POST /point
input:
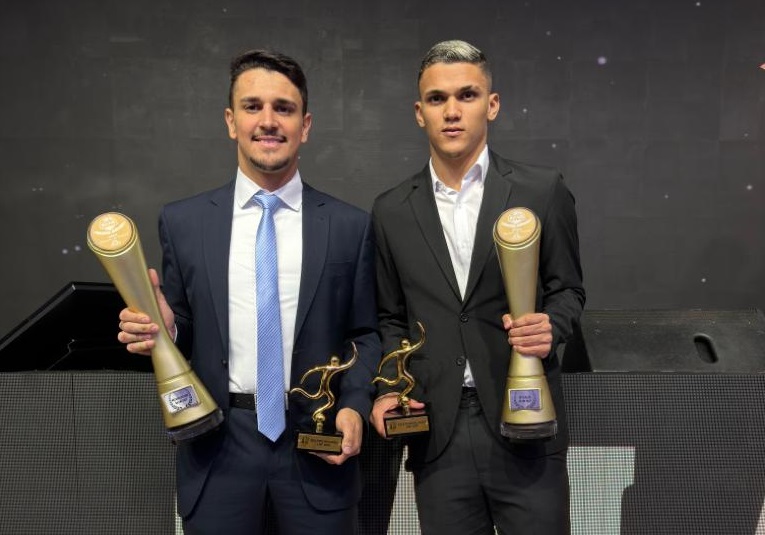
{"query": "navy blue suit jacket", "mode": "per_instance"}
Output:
(336, 305)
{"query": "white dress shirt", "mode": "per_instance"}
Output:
(458, 211)
(242, 315)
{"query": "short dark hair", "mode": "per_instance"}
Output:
(270, 61)
(455, 51)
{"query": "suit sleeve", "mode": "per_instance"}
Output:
(563, 293)
(357, 388)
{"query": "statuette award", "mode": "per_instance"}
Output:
(403, 420)
(320, 440)
(528, 411)
(188, 410)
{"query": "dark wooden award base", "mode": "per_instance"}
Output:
(399, 424)
(320, 443)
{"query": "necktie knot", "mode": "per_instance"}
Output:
(266, 200)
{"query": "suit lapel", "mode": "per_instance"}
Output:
(315, 244)
(496, 193)
(216, 243)
(423, 203)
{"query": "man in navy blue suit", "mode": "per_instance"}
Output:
(326, 289)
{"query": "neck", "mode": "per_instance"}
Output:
(451, 171)
(267, 180)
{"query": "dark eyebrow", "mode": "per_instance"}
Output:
(438, 92)
(277, 102)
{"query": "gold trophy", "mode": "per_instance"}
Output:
(188, 409)
(404, 420)
(528, 411)
(319, 440)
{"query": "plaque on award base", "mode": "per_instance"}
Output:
(320, 442)
(406, 422)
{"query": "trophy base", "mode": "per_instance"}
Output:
(529, 431)
(399, 424)
(320, 443)
(196, 428)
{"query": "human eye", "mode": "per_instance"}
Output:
(434, 99)
(252, 106)
(468, 95)
(284, 109)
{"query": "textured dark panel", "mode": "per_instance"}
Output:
(709, 341)
(697, 441)
(85, 453)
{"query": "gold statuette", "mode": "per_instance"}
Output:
(403, 420)
(188, 409)
(528, 411)
(320, 440)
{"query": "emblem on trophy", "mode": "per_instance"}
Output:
(188, 409)
(528, 411)
(321, 440)
(403, 420)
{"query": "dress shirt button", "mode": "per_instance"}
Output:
(460, 361)
(464, 318)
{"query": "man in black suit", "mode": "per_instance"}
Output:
(209, 302)
(436, 264)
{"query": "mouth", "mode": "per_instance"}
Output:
(269, 141)
(452, 131)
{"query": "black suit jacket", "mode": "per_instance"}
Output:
(416, 282)
(336, 305)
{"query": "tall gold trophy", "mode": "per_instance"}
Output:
(188, 409)
(320, 440)
(403, 420)
(528, 411)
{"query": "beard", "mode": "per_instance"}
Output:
(270, 167)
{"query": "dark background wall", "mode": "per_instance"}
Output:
(653, 109)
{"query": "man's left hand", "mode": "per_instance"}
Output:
(349, 423)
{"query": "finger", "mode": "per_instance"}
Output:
(348, 423)
(416, 404)
(138, 328)
(507, 321)
(141, 348)
(135, 317)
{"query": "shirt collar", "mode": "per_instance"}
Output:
(477, 171)
(291, 193)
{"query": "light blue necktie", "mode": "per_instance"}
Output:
(270, 356)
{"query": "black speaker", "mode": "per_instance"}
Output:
(703, 341)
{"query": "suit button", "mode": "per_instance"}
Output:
(460, 361)
(463, 317)
(224, 362)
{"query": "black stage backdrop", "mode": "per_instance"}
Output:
(653, 109)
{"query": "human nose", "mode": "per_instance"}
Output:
(268, 118)
(451, 109)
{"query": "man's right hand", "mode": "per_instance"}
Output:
(385, 403)
(136, 328)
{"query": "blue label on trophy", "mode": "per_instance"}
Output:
(526, 400)
(181, 399)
